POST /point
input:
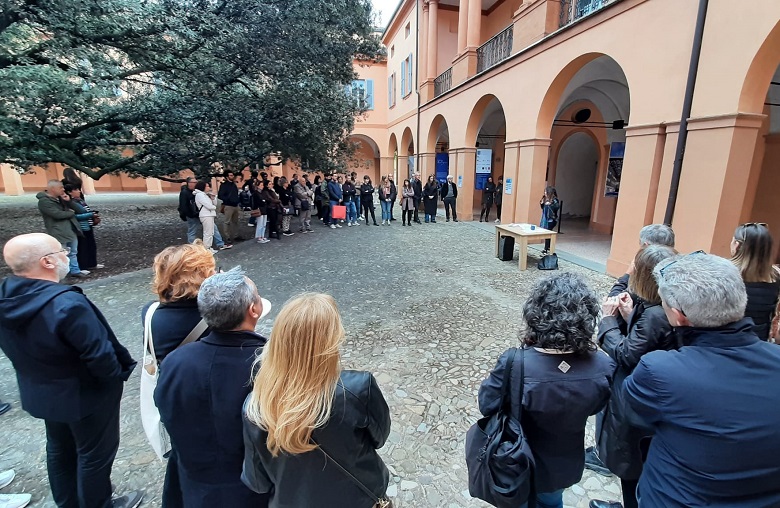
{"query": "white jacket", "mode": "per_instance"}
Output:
(206, 206)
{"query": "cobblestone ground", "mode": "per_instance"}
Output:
(427, 308)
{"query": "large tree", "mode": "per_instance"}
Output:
(150, 87)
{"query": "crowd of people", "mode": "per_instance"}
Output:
(676, 362)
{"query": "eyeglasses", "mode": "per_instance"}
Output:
(749, 224)
(662, 270)
(66, 250)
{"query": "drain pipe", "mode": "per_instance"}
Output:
(682, 139)
(417, 87)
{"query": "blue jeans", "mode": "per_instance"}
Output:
(351, 211)
(548, 500)
(385, 209)
(73, 261)
(192, 232)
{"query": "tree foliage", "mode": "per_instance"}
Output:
(150, 87)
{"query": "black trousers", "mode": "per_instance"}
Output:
(486, 211)
(629, 493)
(325, 213)
(416, 209)
(87, 251)
(498, 211)
(550, 226)
(406, 215)
(368, 207)
(449, 204)
(79, 457)
(392, 205)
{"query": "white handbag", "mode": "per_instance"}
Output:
(150, 415)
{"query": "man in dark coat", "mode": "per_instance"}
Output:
(201, 390)
(187, 209)
(71, 370)
(228, 194)
(449, 195)
(59, 220)
(418, 187)
(713, 404)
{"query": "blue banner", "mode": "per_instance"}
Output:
(442, 167)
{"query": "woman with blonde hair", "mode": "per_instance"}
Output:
(751, 251)
(311, 429)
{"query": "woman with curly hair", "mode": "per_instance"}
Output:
(566, 380)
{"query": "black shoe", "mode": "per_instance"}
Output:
(375, 224)
(454, 220)
(130, 500)
(594, 463)
(4, 408)
(392, 219)
(434, 221)
(604, 504)
(447, 220)
(418, 221)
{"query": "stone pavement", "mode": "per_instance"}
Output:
(428, 309)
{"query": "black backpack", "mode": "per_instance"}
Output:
(245, 199)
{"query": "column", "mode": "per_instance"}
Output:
(154, 187)
(532, 157)
(426, 165)
(423, 54)
(639, 197)
(12, 180)
(463, 164)
(88, 184)
(463, 24)
(469, 24)
(433, 37)
(474, 23)
(386, 167)
(511, 165)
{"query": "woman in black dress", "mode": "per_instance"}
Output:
(488, 197)
(367, 199)
(431, 199)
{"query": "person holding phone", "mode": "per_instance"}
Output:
(550, 206)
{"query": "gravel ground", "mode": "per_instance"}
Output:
(428, 309)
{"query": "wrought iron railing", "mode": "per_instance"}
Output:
(496, 50)
(572, 10)
(442, 83)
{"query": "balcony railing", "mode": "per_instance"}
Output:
(572, 10)
(442, 83)
(496, 50)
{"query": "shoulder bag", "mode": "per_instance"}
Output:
(150, 415)
(498, 457)
(380, 502)
(548, 262)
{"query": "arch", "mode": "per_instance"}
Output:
(368, 140)
(479, 113)
(760, 72)
(549, 107)
(577, 177)
(434, 133)
(393, 146)
(407, 139)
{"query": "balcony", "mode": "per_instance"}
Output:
(442, 83)
(496, 50)
(572, 10)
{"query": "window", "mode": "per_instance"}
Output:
(391, 90)
(408, 30)
(407, 77)
(362, 92)
(392, 51)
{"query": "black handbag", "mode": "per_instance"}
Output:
(498, 457)
(305, 205)
(548, 262)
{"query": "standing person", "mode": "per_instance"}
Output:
(430, 195)
(318, 196)
(187, 209)
(646, 329)
(449, 195)
(550, 207)
(311, 429)
(273, 209)
(303, 199)
(287, 198)
(87, 254)
(325, 200)
(356, 197)
(207, 382)
(70, 176)
(751, 252)
(59, 220)
(499, 197)
(709, 405)
(418, 191)
(393, 195)
(336, 197)
(349, 190)
(407, 203)
(259, 205)
(252, 182)
(385, 199)
(488, 197)
(70, 368)
(228, 194)
(207, 212)
(566, 380)
(367, 199)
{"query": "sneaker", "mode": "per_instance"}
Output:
(226, 246)
(131, 500)
(15, 500)
(85, 272)
(338, 225)
(349, 224)
(81, 274)
(213, 251)
(594, 463)
(4, 408)
(454, 220)
(308, 231)
(496, 221)
(6, 477)
(98, 267)
(288, 233)
(332, 226)
(596, 503)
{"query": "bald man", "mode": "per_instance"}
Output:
(59, 219)
(70, 368)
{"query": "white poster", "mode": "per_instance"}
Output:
(460, 181)
(484, 161)
(508, 186)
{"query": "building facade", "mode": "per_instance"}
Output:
(587, 96)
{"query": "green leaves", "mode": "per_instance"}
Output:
(153, 87)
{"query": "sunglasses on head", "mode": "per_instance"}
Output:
(751, 224)
(695, 253)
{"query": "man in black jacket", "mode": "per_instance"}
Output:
(449, 195)
(228, 194)
(70, 368)
(417, 186)
(187, 210)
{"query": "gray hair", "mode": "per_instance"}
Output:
(657, 234)
(708, 289)
(51, 184)
(224, 298)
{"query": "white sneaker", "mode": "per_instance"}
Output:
(6, 477)
(496, 221)
(14, 500)
(338, 225)
(332, 226)
(213, 251)
(85, 272)
(349, 224)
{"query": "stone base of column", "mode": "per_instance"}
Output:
(427, 91)
(12, 180)
(153, 187)
(464, 66)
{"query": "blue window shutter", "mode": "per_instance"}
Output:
(390, 91)
(411, 75)
(370, 94)
(403, 78)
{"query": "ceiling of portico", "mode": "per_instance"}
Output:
(486, 4)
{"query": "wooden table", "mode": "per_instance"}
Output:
(524, 235)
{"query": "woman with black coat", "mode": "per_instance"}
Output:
(645, 328)
(431, 199)
(367, 199)
(317, 196)
(287, 199)
(259, 207)
(274, 210)
(488, 197)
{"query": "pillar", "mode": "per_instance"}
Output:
(639, 196)
(463, 25)
(463, 164)
(386, 167)
(426, 164)
(469, 25)
(474, 24)
(12, 180)
(433, 38)
(715, 180)
(87, 184)
(424, 55)
(531, 168)
(154, 187)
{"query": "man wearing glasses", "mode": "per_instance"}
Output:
(70, 368)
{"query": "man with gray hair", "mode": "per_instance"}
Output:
(652, 234)
(713, 404)
(59, 220)
(201, 390)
